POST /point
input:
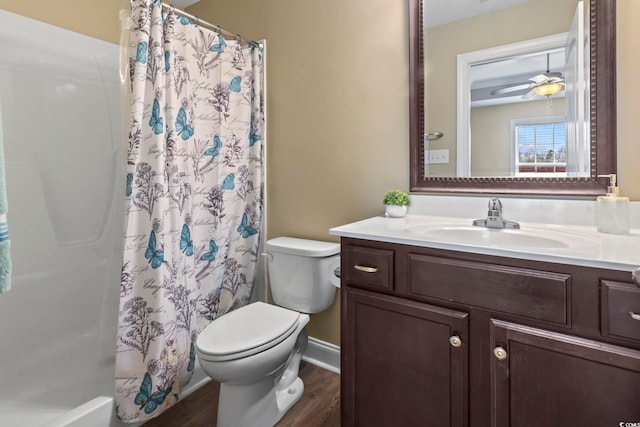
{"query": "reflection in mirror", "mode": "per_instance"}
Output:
(526, 113)
(497, 89)
(507, 96)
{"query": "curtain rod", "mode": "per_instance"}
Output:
(198, 21)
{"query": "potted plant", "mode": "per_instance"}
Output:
(396, 203)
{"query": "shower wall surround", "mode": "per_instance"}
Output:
(59, 97)
(64, 151)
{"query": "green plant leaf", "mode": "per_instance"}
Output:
(396, 197)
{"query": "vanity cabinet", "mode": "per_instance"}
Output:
(408, 362)
(549, 379)
(444, 338)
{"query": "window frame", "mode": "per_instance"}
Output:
(513, 155)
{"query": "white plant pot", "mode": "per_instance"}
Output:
(395, 211)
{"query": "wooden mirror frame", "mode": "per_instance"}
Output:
(602, 117)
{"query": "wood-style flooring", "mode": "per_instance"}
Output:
(318, 407)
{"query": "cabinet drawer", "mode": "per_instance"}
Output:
(534, 294)
(371, 267)
(620, 310)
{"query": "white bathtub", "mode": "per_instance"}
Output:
(67, 385)
(64, 151)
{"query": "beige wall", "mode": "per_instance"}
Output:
(491, 136)
(95, 18)
(338, 95)
(628, 69)
(337, 111)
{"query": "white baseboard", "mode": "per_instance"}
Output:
(323, 354)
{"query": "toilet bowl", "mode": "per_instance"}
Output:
(254, 352)
(244, 351)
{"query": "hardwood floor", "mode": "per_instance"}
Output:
(318, 407)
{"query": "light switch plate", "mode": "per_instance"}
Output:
(438, 156)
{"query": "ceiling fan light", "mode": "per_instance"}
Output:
(548, 89)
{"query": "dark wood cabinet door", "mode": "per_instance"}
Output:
(404, 363)
(551, 379)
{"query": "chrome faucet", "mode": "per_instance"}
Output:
(494, 217)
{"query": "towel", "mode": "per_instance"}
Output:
(5, 259)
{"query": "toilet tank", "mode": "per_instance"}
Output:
(301, 273)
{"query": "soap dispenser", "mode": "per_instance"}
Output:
(612, 209)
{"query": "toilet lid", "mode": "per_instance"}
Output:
(249, 327)
(302, 247)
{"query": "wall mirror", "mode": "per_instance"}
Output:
(508, 98)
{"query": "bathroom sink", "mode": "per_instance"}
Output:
(523, 238)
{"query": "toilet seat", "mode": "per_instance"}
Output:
(246, 331)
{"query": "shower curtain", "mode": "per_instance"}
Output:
(194, 199)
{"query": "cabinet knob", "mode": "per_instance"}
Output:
(455, 341)
(500, 353)
(635, 276)
(366, 269)
(634, 316)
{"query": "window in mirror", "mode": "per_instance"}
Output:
(540, 146)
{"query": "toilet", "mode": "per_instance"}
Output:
(254, 352)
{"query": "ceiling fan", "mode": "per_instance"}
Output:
(546, 84)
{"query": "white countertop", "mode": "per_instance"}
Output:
(586, 247)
